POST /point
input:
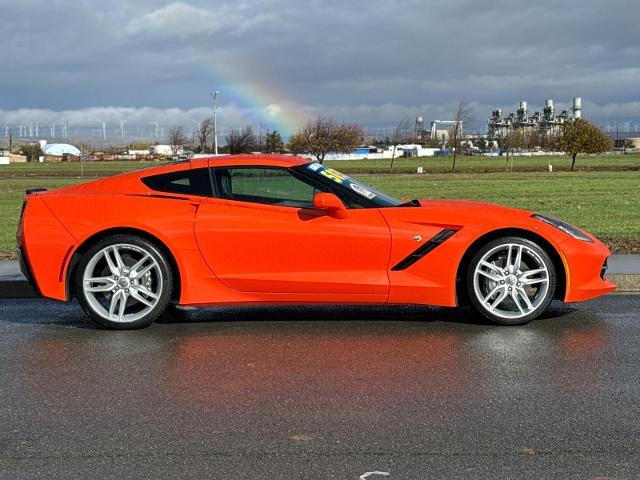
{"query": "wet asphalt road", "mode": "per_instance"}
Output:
(283, 393)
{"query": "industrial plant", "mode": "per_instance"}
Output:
(547, 122)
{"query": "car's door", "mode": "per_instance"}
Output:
(262, 234)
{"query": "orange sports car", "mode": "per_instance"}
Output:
(271, 229)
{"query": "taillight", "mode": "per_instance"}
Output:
(19, 232)
(24, 205)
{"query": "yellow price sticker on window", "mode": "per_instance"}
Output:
(334, 175)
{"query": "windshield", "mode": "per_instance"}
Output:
(378, 198)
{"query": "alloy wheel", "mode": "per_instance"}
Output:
(122, 283)
(511, 281)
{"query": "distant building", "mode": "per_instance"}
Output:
(546, 122)
(139, 153)
(165, 150)
(6, 158)
(60, 150)
(442, 134)
(415, 150)
(633, 142)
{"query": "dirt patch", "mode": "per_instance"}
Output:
(618, 246)
(8, 254)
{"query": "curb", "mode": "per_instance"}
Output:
(16, 286)
(626, 283)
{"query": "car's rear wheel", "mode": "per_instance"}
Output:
(511, 280)
(123, 282)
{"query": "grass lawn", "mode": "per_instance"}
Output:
(491, 164)
(11, 197)
(605, 203)
(464, 164)
(71, 169)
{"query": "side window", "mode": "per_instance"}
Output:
(186, 182)
(273, 186)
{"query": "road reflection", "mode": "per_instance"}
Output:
(346, 370)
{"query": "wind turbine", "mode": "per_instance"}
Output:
(53, 131)
(122, 122)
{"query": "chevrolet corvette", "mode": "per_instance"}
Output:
(272, 229)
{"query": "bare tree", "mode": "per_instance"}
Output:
(512, 141)
(241, 141)
(273, 142)
(463, 115)
(324, 135)
(399, 135)
(205, 130)
(177, 139)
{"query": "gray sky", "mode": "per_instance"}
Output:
(280, 61)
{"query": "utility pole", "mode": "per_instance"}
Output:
(215, 121)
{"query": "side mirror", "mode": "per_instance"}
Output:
(331, 203)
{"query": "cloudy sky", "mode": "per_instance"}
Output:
(281, 61)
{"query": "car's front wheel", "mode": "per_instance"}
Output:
(511, 280)
(123, 282)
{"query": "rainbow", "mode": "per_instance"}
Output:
(259, 100)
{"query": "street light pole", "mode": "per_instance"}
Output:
(215, 121)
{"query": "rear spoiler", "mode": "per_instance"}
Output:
(31, 191)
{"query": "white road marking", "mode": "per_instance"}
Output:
(368, 474)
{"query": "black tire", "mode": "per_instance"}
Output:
(161, 276)
(513, 308)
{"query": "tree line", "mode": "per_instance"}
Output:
(318, 137)
(324, 135)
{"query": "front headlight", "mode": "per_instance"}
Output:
(564, 226)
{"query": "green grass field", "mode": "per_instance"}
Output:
(11, 197)
(464, 164)
(605, 203)
(71, 169)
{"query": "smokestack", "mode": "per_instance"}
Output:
(522, 111)
(577, 107)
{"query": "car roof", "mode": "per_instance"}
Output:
(130, 182)
(273, 160)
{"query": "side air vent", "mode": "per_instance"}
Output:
(603, 270)
(423, 250)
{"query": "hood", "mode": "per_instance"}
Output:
(468, 205)
(459, 214)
